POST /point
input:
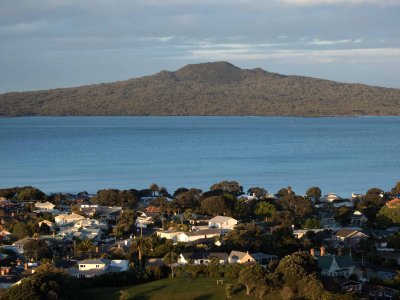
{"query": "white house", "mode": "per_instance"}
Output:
(240, 257)
(65, 219)
(198, 235)
(92, 267)
(44, 206)
(330, 197)
(222, 222)
(169, 234)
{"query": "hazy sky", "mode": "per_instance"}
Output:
(58, 43)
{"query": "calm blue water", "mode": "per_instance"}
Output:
(72, 154)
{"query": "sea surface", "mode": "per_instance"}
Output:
(73, 154)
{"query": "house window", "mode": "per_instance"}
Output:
(82, 266)
(97, 266)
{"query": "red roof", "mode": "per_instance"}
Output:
(153, 209)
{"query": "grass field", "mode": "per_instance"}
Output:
(173, 288)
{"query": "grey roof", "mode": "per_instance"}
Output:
(204, 255)
(202, 232)
(260, 255)
(343, 261)
(94, 261)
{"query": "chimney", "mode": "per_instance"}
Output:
(2, 272)
(7, 270)
(312, 252)
(339, 251)
(97, 249)
(322, 251)
(26, 266)
(54, 234)
(18, 262)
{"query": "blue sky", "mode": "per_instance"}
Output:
(60, 43)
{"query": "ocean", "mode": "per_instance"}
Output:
(73, 154)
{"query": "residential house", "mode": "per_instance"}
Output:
(169, 234)
(350, 237)
(222, 222)
(358, 218)
(351, 286)
(330, 198)
(47, 222)
(44, 206)
(336, 265)
(299, 233)
(343, 203)
(93, 267)
(65, 218)
(146, 218)
(240, 257)
(382, 293)
(202, 257)
(263, 259)
(198, 235)
(153, 209)
(90, 223)
(327, 221)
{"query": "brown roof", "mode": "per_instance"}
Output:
(153, 209)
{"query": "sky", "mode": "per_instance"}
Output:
(60, 43)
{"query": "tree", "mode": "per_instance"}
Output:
(214, 206)
(264, 209)
(170, 258)
(285, 192)
(298, 206)
(37, 249)
(250, 276)
(314, 193)
(230, 187)
(163, 192)
(46, 283)
(311, 223)
(113, 197)
(258, 192)
(20, 230)
(343, 215)
(154, 188)
(30, 194)
(396, 190)
(245, 237)
(295, 267)
(86, 246)
(140, 246)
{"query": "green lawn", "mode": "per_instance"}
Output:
(172, 288)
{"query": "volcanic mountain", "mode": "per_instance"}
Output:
(217, 88)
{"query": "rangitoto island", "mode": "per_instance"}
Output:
(208, 89)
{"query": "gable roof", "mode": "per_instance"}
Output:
(238, 254)
(349, 232)
(220, 219)
(343, 261)
(44, 204)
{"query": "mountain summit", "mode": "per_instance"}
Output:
(217, 88)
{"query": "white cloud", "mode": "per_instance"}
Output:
(302, 56)
(327, 42)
